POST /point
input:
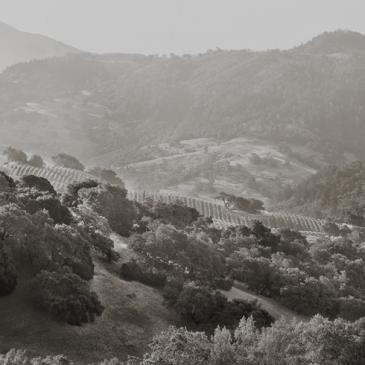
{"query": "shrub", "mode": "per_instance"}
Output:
(66, 296)
(71, 198)
(58, 212)
(177, 214)
(107, 175)
(6, 182)
(223, 283)
(131, 271)
(202, 308)
(172, 289)
(36, 161)
(104, 246)
(19, 357)
(111, 203)
(14, 155)
(134, 272)
(8, 273)
(68, 161)
(39, 183)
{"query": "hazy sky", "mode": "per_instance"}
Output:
(182, 26)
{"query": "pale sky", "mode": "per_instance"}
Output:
(182, 26)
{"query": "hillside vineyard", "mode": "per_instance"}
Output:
(182, 182)
(61, 177)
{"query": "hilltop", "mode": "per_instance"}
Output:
(128, 101)
(340, 41)
(263, 119)
(18, 46)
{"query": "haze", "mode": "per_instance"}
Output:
(182, 26)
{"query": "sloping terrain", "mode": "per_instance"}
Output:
(247, 123)
(335, 191)
(133, 314)
(17, 46)
(61, 177)
(274, 308)
(204, 167)
(311, 95)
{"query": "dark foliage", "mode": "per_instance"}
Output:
(177, 214)
(107, 175)
(10, 180)
(204, 309)
(71, 198)
(111, 203)
(39, 183)
(66, 297)
(135, 272)
(58, 212)
(8, 272)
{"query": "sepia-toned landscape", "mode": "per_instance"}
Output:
(173, 208)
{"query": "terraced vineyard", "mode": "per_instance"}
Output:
(61, 177)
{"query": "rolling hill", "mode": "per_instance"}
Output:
(335, 191)
(299, 109)
(17, 46)
(311, 95)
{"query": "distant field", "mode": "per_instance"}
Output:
(188, 167)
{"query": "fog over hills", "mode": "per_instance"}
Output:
(298, 110)
(185, 209)
(311, 94)
(17, 46)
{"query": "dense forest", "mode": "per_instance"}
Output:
(302, 95)
(50, 244)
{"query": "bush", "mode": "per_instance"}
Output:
(223, 283)
(71, 198)
(207, 310)
(131, 271)
(58, 212)
(6, 182)
(36, 161)
(14, 155)
(39, 183)
(177, 214)
(253, 206)
(68, 161)
(351, 308)
(111, 203)
(19, 357)
(134, 272)
(318, 341)
(8, 273)
(107, 175)
(66, 296)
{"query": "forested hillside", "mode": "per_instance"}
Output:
(60, 269)
(336, 192)
(312, 95)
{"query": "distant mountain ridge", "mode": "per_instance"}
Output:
(17, 46)
(336, 42)
(312, 95)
